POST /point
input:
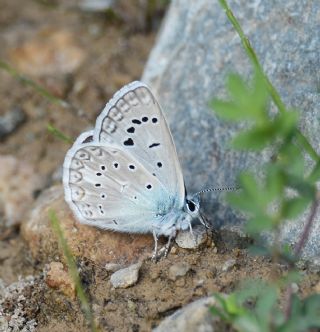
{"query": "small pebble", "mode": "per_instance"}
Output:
(95, 6)
(57, 277)
(173, 251)
(131, 306)
(178, 270)
(186, 240)
(199, 291)
(11, 121)
(295, 288)
(228, 265)
(112, 267)
(126, 277)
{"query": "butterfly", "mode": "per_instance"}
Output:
(125, 175)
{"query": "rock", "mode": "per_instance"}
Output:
(313, 265)
(232, 236)
(178, 270)
(112, 267)
(18, 183)
(195, 51)
(85, 242)
(50, 52)
(96, 6)
(126, 277)
(195, 317)
(18, 302)
(57, 277)
(186, 240)
(228, 265)
(10, 121)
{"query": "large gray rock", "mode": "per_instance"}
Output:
(195, 317)
(195, 51)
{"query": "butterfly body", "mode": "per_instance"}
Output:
(125, 174)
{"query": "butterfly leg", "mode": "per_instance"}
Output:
(168, 245)
(192, 234)
(164, 251)
(204, 221)
(155, 251)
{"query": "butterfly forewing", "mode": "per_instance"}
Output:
(134, 122)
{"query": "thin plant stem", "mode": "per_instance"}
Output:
(40, 89)
(307, 227)
(298, 250)
(59, 134)
(29, 82)
(85, 306)
(272, 90)
(253, 56)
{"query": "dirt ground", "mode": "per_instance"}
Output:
(84, 57)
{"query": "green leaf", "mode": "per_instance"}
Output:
(238, 89)
(248, 323)
(289, 278)
(257, 250)
(274, 182)
(266, 304)
(293, 207)
(304, 188)
(315, 173)
(292, 160)
(231, 305)
(258, 224)
(286, 123)
(260, 95)
(226, 110)
(241, 202)
(247, 101)
(255, 138)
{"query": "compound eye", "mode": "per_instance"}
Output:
(191, 206)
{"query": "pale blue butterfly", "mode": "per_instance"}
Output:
(125, 175)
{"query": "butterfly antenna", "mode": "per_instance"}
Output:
(219, 189)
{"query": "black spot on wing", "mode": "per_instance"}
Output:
(128, 142)
(131, 130)
(154, 145)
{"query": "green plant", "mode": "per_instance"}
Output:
(255, 308)
(73, 270)
(284, 188)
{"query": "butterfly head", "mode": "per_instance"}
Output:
(192, 209)
(192, 206)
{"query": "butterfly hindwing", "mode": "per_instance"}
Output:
(108, 188)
